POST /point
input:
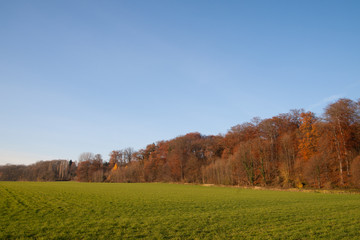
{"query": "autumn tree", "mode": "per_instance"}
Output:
(128, 154)
(343, 119)
(246, 163)
(84, 166)
(287, 155)
(355, 168)
(116, 157)
(90, 168)
(308, 136)
(236, 135)
(96, 170)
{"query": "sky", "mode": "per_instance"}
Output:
(96, 76)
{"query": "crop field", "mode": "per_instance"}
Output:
(72, 210)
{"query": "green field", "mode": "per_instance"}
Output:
(72, 210)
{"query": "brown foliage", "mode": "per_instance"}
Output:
(355, 167)
(291, 149)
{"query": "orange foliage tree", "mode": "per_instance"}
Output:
(308, 135)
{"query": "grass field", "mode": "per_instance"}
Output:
(71, 210)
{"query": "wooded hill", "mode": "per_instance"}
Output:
(295, 149)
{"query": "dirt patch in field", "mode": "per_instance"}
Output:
(331, 191)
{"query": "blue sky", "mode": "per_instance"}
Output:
(94, 76)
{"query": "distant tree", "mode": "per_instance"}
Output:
(96, 171)
(83, 170)
(12, 172)
(308, 135)
(355, 167)
(287, 155)
(290, 149)
(343, 118)
(116, 157)
(128, 154)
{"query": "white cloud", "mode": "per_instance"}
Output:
(324, 102)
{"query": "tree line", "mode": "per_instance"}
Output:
(295, 149)
(54, 170)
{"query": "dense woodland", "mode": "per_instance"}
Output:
(295, 149)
